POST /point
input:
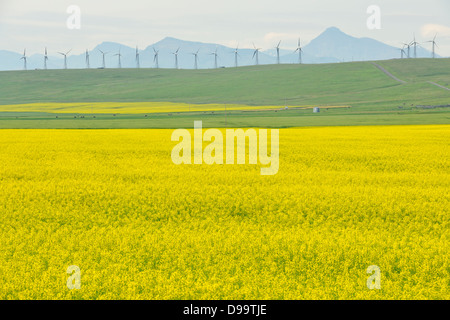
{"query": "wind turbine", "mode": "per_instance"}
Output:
(65, 57)
(138, 63)
(402, 52)
(434, 45)
(176, 58)
(24, 57)
(120, 61)
(278, 52)
(87, 59)
(300, 50)
(236, 56)
(256, 54)
(196, 59)
(215, 58)
(415, 43)
(156, 58)
(45, 59)
(407, 45)
(103, 54)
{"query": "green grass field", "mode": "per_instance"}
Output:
(237, 119)
(374, 97)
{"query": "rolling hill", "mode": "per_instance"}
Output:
(359, 84)
(253, 93)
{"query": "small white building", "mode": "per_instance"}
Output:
(316, 110)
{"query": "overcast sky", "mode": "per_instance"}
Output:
(35, 24)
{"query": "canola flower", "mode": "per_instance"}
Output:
(140, 227)
(135, 107)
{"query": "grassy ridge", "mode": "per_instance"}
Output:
(436, 70)
(360, 84)
(374, 97)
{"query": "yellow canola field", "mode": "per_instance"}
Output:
(134, 107)
(139, 227)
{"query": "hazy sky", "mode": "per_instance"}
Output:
(35, 24)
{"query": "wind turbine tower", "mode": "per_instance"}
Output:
(415, 43)
(256, 54)
(65, 57)
(300, 51)
(138, 62)
(24, 57)
(215, 58)
(103, 58)
(434, 46)
(45, 59)
(402, 52)
(156, 58)
(278, 52)
(236, 56)
(408, 46)
(120, 60)
(196, 59)
(87, 59)
(176, 58)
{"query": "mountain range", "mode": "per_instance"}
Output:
(331, 46)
